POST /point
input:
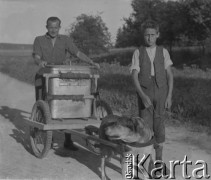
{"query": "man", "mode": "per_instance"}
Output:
(52, 48)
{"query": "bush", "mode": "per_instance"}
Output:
(191, 100)
(123, 57)
(21, 68)
(184, 56)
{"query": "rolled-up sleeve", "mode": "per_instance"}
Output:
(135, 61)
(36, 47)
(71, 47)
(167, 60)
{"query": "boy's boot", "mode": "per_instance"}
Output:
(68, 143)
(159, 157)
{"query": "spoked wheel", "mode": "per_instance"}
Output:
(102, 109)
(40, 139)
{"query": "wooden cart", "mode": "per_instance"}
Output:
(71, 102)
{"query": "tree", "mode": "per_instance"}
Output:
(172, 21)
(90, 34)
(129, 34)
(131, 31)
(198, 14)
(180, 20)
(147, 9)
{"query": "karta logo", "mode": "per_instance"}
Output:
(134, 165)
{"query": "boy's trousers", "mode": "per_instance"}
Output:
(154, 114)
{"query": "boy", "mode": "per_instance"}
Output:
(52, 48)
(153, 80)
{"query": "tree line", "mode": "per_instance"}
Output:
(182, 22)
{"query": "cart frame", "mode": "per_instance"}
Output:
(41, 124)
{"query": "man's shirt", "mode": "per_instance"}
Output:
(151, 53)
(56, 53)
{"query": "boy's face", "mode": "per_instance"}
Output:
(53, 28)
(150, 37)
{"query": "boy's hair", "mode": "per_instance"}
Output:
(53, 19)
(150, 24)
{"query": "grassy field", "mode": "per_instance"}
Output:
(191, 96)
(179, 55)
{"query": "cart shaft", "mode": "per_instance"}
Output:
(67, 124)
(91, 137)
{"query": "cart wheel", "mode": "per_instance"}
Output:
(40, 139)
(102, 109)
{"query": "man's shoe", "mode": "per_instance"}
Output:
(70, 146)
(54, 145)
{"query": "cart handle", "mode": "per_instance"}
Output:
(69, 97)
(49, 75)
(65, 76)
(70, 75)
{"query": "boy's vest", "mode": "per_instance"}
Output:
(145, 68)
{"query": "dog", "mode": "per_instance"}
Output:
(133, 137)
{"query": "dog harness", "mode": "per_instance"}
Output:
(135, 144)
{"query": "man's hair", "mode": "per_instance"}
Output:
(150, 24)
(53, 19)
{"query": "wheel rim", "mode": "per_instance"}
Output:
(39, 136)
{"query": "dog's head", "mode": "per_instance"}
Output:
(127, 129)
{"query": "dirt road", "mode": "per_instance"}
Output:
(16, 160)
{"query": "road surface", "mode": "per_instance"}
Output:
(17, 161)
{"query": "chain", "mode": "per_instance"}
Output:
(151, 109)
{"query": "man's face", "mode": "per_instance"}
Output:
(150, 37)
(53, 28)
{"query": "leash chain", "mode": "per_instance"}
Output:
(151, 109)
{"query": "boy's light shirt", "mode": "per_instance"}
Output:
(151, 53)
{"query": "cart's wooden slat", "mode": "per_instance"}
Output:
(74, 120)
(34, 124)
(74, 124)
(69, 97)
(50, 75)
(104, 142)
(71, 128)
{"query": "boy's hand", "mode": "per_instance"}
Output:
(95, 64)
(146, 101)
(42, 63)
(67, 62)
(168, 103)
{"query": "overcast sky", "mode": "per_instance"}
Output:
(22, 20)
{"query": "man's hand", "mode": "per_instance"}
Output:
(168, 103)
(86, 59)
(146, 101)
(42, 63)
(96, 65)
